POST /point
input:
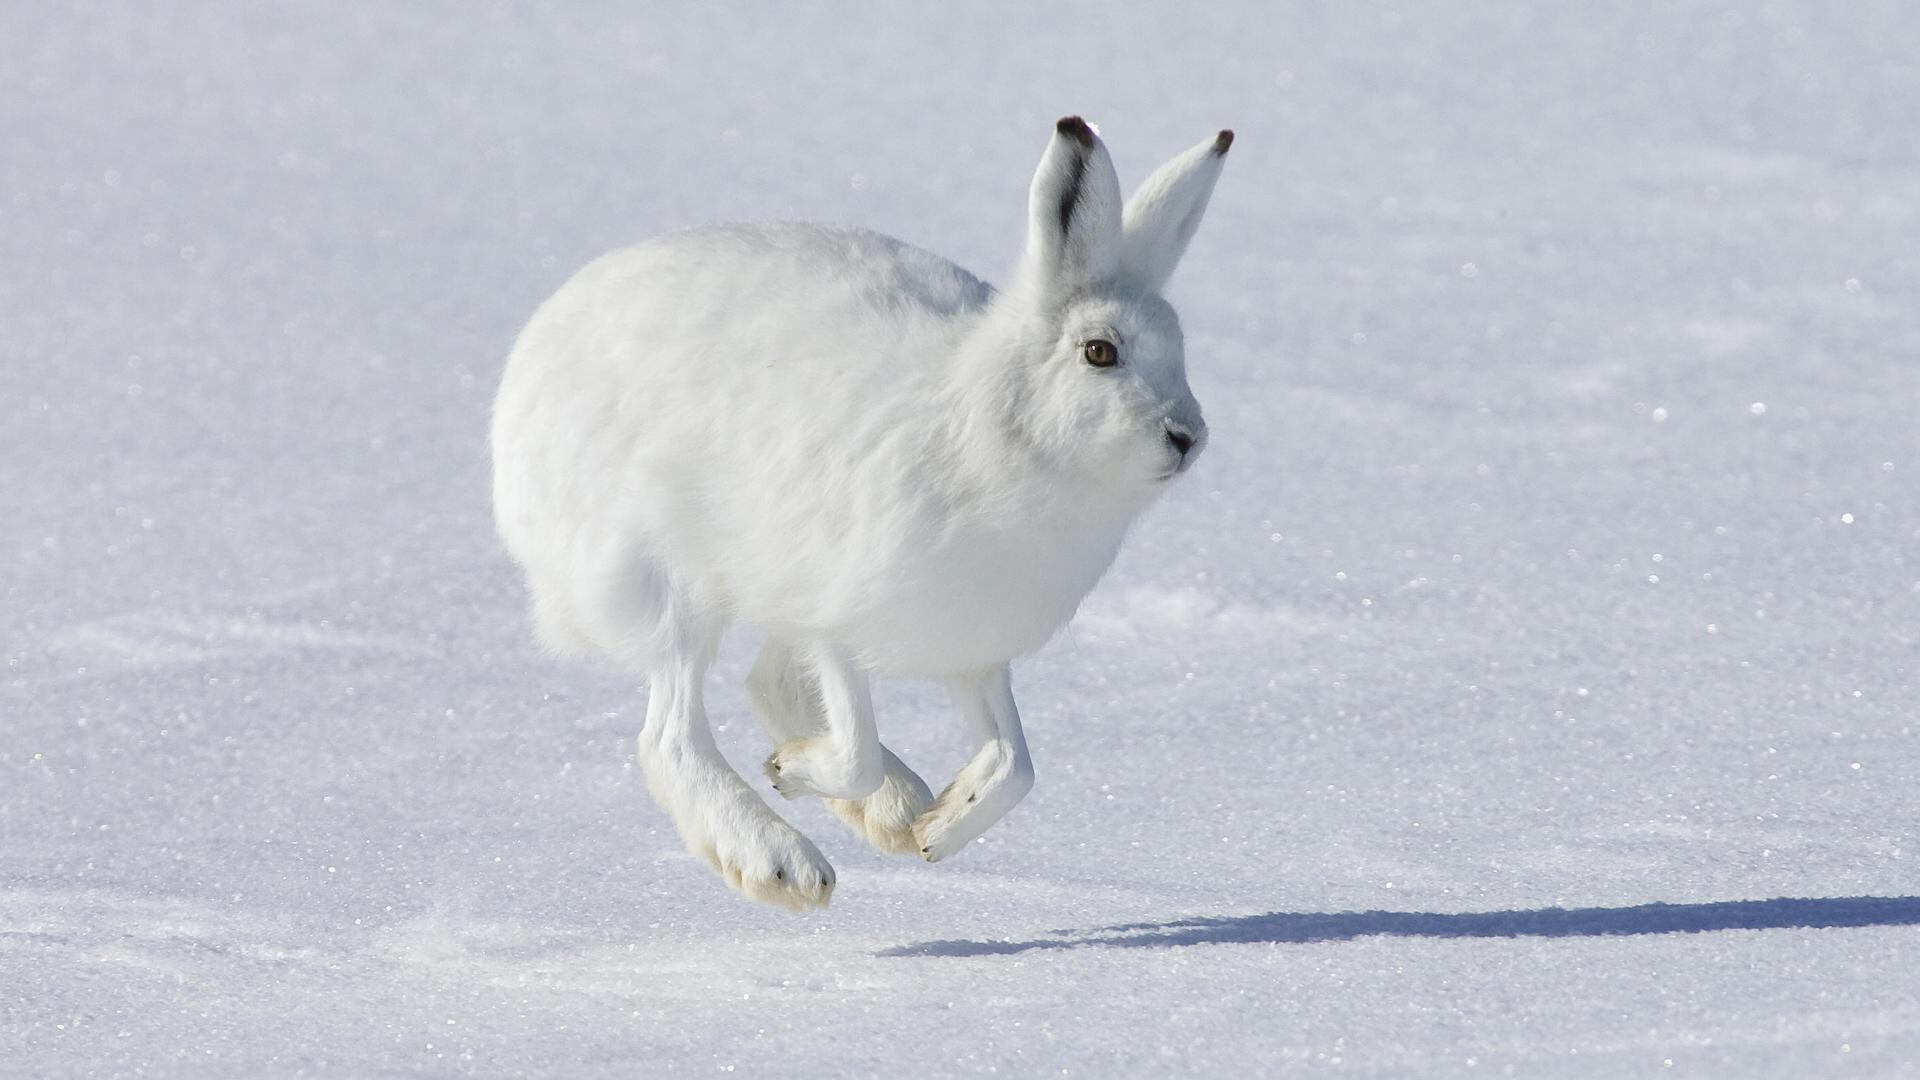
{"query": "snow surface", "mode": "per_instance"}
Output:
(1521, 685)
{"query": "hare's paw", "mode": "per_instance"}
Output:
(770, 862)
(721, 820)
(886, 817)
(820, 766)
(992, 783)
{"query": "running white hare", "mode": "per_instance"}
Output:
(867, 453)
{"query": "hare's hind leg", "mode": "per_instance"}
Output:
(787, 698)
(997, 778)
(719, 817)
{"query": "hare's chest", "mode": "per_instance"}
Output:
(984, 601)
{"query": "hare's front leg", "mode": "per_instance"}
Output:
(786, 699)
(815, 702)
(718, 815)
(997, 778)
(843, 761)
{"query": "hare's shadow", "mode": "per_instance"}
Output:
(1290, 927)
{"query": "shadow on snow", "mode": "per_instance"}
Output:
(1290, 927)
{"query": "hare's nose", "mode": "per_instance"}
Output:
(1181, 440)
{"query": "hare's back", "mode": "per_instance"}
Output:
(800, 258)
(724, 314)
(843, 287)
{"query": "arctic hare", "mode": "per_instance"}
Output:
(868, 454)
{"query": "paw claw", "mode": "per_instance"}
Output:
(781, 782)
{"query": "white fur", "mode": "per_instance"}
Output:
(862, 450)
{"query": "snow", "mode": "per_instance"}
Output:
(1524, 683)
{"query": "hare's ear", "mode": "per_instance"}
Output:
(1073, 228)
(1162, 215)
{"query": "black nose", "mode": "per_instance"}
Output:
(1181, 441)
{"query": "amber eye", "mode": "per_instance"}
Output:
(1100, 353)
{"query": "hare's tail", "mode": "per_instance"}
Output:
(621, 608)
(554, 625)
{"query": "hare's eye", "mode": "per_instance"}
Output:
(1100, 353)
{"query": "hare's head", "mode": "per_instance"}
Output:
(1103, 366)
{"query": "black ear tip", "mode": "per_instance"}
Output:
(1077, 129)
(1222, 142)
